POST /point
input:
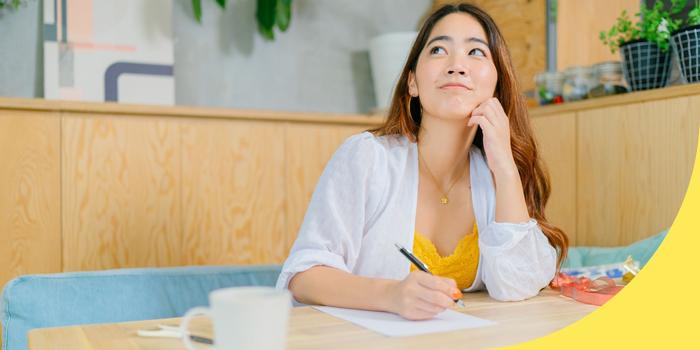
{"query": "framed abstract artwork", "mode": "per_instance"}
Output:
(119, 51)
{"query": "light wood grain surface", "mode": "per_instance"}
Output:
(556, 137)
(634, 164)
(91, 186)
(578, 25)
(30, 198)
(30, 207)
(120, 192)
(234, 192)
(109, 108)
(311, 329)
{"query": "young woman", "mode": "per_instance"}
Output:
(453, 174)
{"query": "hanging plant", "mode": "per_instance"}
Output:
(268, 13)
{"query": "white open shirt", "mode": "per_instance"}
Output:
(365, 201)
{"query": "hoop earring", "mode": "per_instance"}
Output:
(408, 105)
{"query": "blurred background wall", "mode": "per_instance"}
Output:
(320, 64)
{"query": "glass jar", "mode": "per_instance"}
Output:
(609, 78)
(578, 81)
(549, 87)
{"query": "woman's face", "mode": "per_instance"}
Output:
(455, 70)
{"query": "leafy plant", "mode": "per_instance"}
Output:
(621, 32)
(654, 24)
(268, 13)
(694, 14)
(12, 4)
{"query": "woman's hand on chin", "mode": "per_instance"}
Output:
(495, 127)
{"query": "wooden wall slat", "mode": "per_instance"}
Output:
(30, 212)
(556, 137)
(121, 198)
(693, 129)
(633, 169)
(578, 25)
(234, 196)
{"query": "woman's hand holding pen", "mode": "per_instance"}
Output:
(421, 295)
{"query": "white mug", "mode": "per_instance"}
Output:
(244, 318)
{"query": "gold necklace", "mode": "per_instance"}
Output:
(444, 199)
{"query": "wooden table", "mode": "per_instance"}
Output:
(312, 329)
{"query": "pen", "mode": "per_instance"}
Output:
(420, 265)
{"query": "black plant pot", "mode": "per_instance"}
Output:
(644, 64)
(686, 45)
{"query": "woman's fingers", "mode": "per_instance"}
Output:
(456, 293)
(450, 281)
(493, 111)
(430, 308)
(422, 295)
(492, 115)
(485, 124)
(437, 299)
(439, 290)
(436, 283)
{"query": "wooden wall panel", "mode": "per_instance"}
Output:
(578, 25)
(694, 124)
(30, 221)
(128, 188)
(633, 168)
(693, 130)
(233, 192)
(121, 199)
(307, 150)
(556, 137)
(522, 23)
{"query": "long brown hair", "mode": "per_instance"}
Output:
(405, 117)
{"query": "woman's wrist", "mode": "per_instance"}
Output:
(384, 294)
(506, 172)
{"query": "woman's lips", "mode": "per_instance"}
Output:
(454, 87)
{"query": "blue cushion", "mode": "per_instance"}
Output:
(641, 251)
(52, 300)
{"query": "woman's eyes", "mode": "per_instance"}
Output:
(474, 51)
(435, 49)
(480, 51)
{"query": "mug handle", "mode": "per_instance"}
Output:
(184, 324)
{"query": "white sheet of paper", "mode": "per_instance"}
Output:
(397, 326)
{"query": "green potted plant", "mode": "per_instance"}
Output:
(686, 44)
(269, 14)
(644, 45)
(10, 4)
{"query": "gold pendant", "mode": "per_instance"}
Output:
(444, 200)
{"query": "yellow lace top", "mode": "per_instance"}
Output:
(461, 265)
